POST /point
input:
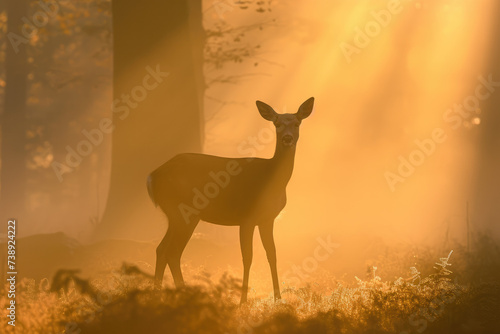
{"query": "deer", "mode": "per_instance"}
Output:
(244, 192)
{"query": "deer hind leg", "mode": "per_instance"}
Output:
(170, 249)
(181, 238)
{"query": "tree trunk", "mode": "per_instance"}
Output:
(151, 36)
(485, 204)
(13, 168)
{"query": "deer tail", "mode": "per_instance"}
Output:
(149, 184)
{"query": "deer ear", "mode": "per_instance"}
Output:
(305, 109)
(266, 111)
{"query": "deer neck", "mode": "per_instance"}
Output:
(283, 161)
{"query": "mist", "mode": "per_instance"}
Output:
(399, 149)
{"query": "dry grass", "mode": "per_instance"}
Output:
(123, 302)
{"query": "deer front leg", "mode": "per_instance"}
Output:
(267, 237)
(246, 240)
(161, 259)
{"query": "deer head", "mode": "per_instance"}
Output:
(287, 125)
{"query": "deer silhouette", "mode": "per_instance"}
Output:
(244, 192)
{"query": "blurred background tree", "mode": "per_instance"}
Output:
(168, 37)
(57, 65)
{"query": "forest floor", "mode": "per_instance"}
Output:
(456, 292)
